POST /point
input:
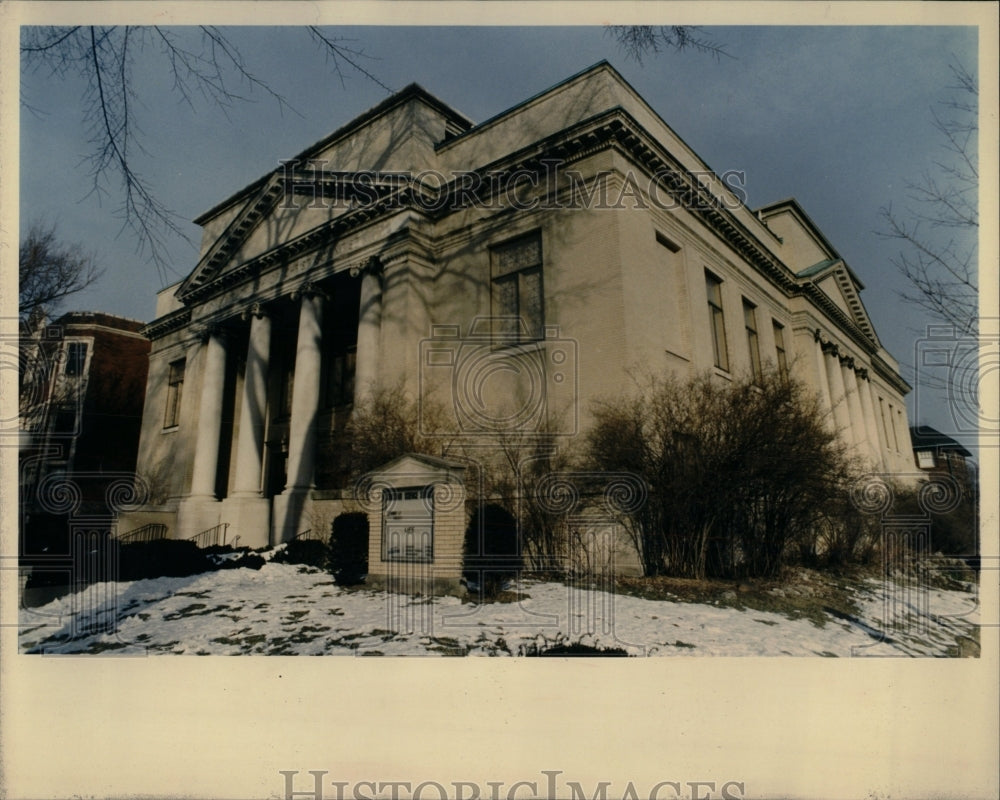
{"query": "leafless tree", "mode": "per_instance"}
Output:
(49, 271)
(640, 41)
(937, 227)
(205, 64)
(514, 462)
(387, 424)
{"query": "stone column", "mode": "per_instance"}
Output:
(250, 444)
(246, 510)
(292, 506)
(306, 391)
(206, 452)
(823, 390)
(858, 432)
(200, 509)
(868, 407)
(838, 395)
(369, 328)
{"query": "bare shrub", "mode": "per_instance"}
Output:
(737, 473)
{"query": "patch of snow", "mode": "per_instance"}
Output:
(287, 609)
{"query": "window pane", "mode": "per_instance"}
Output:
(175, 384)
(754, 353)
(336, 380)
(340, 379)
(505, 307)
(750, 320)
(350, 367)
(779, 346)
(531, 302)
(719, 339)
(713, 288)
(516, 269)
(76, 355)
(506, 296)
(522, 254)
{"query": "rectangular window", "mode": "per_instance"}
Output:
(885, 428)
(716, 321)
(175, 385)
(517, 296)
(340, 378)
(892, 424)
(287, 387)
(753, 341)
(779, 348)
(925, 459)
(76, 357)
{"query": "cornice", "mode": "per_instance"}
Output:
(218, 254)
(889, 375)
(167, 324)
(835, 314)
(614, 128)
(301, 245)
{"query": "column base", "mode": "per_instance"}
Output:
(292, 514)
(249, 517)
(196, 514)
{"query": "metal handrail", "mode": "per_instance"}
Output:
(147, 533)
(210, 537)
(310, 534)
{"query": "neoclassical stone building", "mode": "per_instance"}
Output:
(512, 270)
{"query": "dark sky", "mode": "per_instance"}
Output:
(838, 117)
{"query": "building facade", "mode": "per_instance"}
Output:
(505, 273)
(935, 453)
(83, 381)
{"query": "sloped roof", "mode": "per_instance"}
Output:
(815, 269)
(849, 287)
(432, 461)
(925, 437)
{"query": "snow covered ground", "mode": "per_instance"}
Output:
(284, 609)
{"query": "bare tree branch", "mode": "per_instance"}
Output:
(207, 66)
(50, 271)
(938, 227)
(337, 52)
(640, 41)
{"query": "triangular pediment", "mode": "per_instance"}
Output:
(295, 208)
(247, 219)
(282, 220)
(839, 285)
(416, 469)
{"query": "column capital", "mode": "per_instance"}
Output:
(309, 289)
(204, 332)
(370, 266)
(257, 310)
(826, 345)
